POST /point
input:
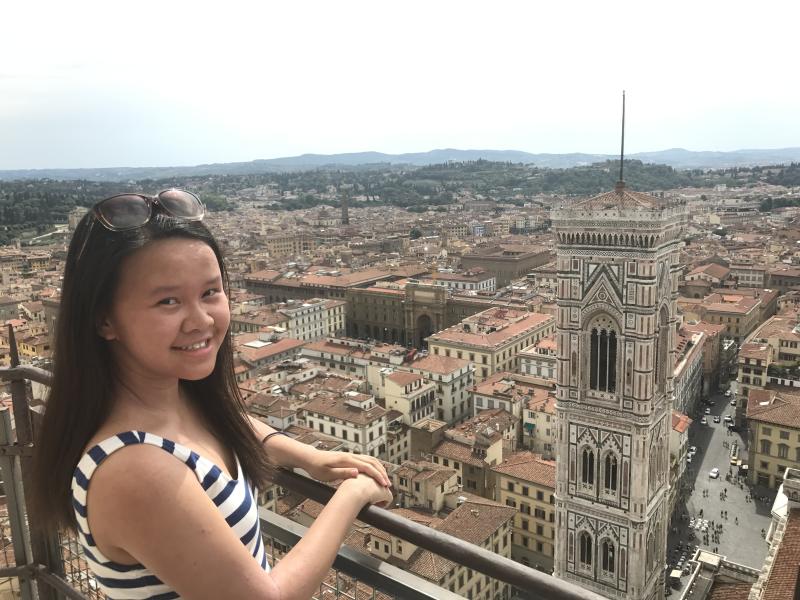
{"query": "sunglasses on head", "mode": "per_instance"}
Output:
(130, 211)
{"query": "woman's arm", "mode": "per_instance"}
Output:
(148, 505)
(322, 465)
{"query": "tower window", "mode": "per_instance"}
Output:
(608, 556)
(587, 467)
(610, 474)
(603, 360)
(586, 549)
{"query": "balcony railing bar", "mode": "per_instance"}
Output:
(448, 546)
(368, 569)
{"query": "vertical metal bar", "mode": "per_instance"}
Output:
(44, 548)
(12, 482)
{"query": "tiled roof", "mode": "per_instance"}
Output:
(729, 591)
(436, 363)
(457, 451)
(403, 378)
(487, 338)
(333, 406)
(619, 198)
(777, 408)
(782, 580)
(713, 269)
(754, 350)
(680, 422)
(529, 466)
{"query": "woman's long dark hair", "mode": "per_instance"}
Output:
(83, 384)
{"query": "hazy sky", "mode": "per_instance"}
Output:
(98, 84)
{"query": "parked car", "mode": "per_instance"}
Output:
(727, 393)
(714, 473)
(733, 402)
(693, 449)
(704, 421)
(728, 419)
(708, 411)
(716, 418)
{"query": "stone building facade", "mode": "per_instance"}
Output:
(618, 265)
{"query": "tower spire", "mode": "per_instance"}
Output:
(621, 182)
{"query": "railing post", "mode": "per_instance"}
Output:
(12, 482)
(44, 549)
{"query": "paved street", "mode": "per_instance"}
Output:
(741, 543)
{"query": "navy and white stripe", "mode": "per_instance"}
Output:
(234, 498)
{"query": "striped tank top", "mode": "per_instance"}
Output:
(234, 498)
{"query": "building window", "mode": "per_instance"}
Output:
(603, 358)
(610, 475)
(608, 557)
(585, 542)
(587, 467)
(784, 435)
(783, 451)
(766, 446)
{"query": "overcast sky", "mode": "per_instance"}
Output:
(99, 84)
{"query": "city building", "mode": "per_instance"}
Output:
(453, 377)
(618, 264)
(688, 378)
(526, 482)
(476, 280)
(506, 261)
(351, 417)
(492, 339)
(476, 445)
(773, 417)
(408, 393)
(539, 359)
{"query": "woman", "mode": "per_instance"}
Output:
(146, 448)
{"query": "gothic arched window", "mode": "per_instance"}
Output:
(610, 473)
(586, 549)
(587, 467)
(603, 359)
(607, 556)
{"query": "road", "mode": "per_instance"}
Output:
(738, 542)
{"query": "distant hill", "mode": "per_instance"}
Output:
(677, 158)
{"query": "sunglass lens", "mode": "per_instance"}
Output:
(124, 212)
(180, 203)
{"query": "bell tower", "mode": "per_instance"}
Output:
(617, 260)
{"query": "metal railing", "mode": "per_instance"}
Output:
(52, 567)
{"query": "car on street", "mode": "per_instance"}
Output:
(714, 473)
(688, 459)
(708, 411)
(728, 419)
(704, 421)
(733, 402)
(716, 418)
(727, 393)
(692, 449)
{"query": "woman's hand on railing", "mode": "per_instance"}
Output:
(369, 490)
(332, 466)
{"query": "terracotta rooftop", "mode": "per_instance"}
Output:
(680, 422)
(779, 326)
(619, 198)
(529, 466)
(783, 578)
(754, 350)
(713, 269)
(436, 363)
(774, 407)
(502, 325)
(334, 406)
(403, 377)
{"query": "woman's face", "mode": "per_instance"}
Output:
(169, 314)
